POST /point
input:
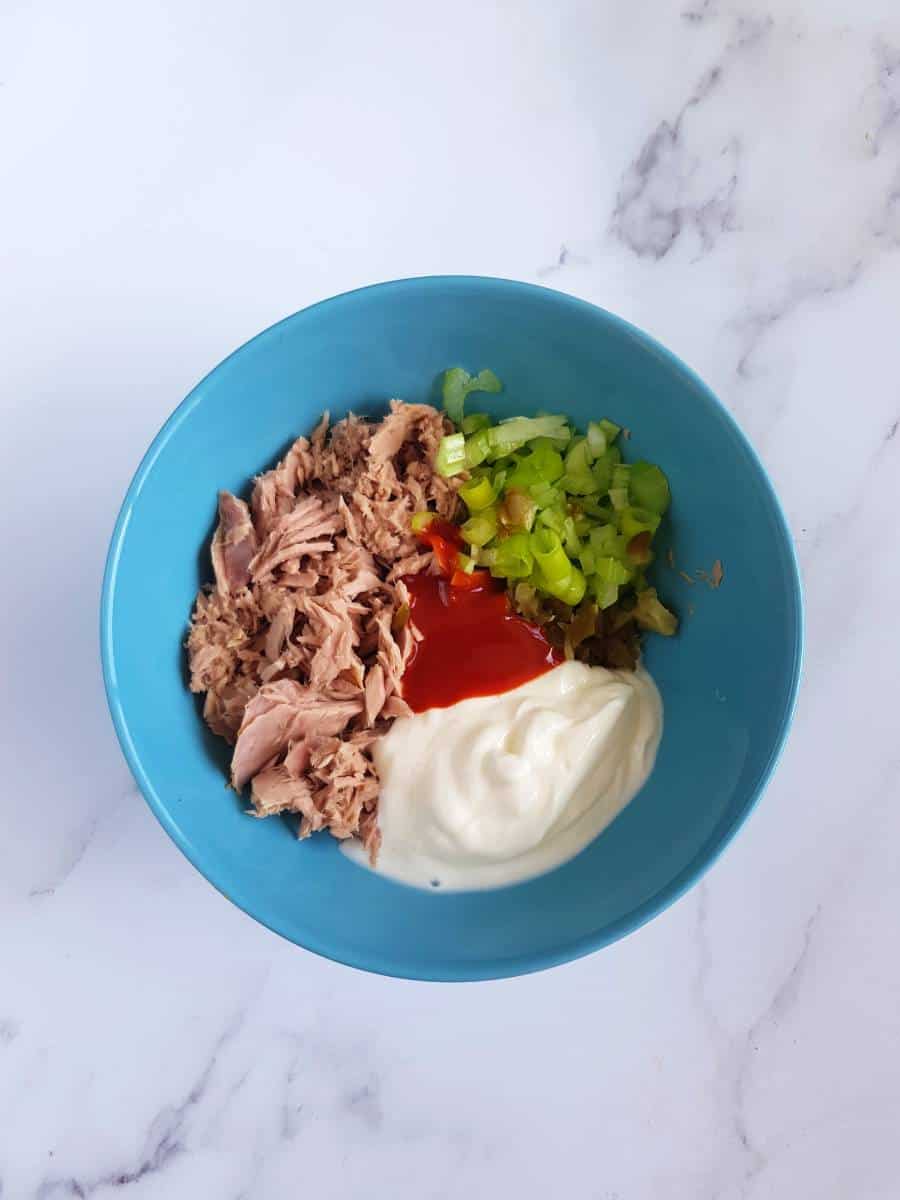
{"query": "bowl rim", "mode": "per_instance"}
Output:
(453, 970)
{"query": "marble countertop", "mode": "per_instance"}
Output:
(175, 177)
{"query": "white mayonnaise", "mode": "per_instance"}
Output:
(501, 788)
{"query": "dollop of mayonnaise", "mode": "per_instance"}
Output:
(496, 789)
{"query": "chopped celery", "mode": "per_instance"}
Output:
(465, 563)
(421, 520)
(603, 468)
(514, 559)
(545, 495)
(651, 614)
(523, 475)
(588, 559)
(480, 528)
(606, 594)
(610, 570)
(475, 421)
(553, 518)
(605, 539)
(559, 515)
(548, 462)
(451, 455)
(550, 556)
(478, 494)
(510, 435)
(570, 589)
(570, 538)
(457, 385)
(596, 439)
(648, 487)
(477, 448)
(620, 476)
(637, 520)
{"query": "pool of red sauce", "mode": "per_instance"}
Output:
(472, 644)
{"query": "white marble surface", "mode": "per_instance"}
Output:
(174, 177)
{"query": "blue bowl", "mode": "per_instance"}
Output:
(728, 680)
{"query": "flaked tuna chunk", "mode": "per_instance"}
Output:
(275, 790)
(301, 645)
(281, 713)
(234, 544)
(307, 529)
(275, 492)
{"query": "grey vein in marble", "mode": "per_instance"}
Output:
(164, 1141)
(668, 187)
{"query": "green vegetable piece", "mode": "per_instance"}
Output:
(653, 615)
(464, 562)
(421, 520)
(478, 446)
(605, 539)
(610, 570)
(572, 592)
(637, 520)
(475, 421)
(480, 528)
(478, 494)
(545, 495)
(596, 439)
(550, 556)
(619, 498)
(610, 430)
(588, 559)
(457, 385)
(513, 434)
(451, 455)
(606, 594)
(514, 559)
(648, 487)
(620, 476)
(547, 461)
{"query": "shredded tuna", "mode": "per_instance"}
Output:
(298, 646)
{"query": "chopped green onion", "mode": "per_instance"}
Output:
(475, 421)
(478, 494)
(451, 455)
(479, 530)
(514, 559)
(649, 487)
(550, 556)
(610, 570)
(572, 592)
(421, 520)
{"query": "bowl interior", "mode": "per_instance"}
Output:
(728, 680)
